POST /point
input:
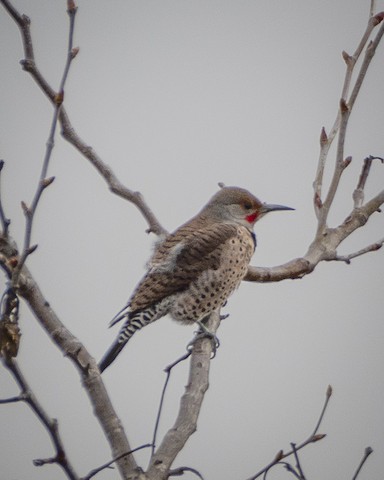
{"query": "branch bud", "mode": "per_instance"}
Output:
(27, 64)
(318, 201)
(378, 18)
(346, 162)
(329, 391)
(25, 208)
(347, 58)
(279, 456)
(32, 249)
(318, 436)
(368, 451)
(26, 20)
(74, 52)
(47, 181)
(71, 6)
(323, 137)
(343, 106)
(2, 163)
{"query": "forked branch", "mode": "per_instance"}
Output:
(51, 425)
(44, 181)
(327, 240)
(190, 405)
(312, 438)
(68, 132)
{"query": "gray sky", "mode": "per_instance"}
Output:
(175, 97)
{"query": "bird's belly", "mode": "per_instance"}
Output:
(211, 289)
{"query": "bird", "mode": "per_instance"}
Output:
(194, 270)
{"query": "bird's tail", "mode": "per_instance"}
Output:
(134, 321)
(111, 354)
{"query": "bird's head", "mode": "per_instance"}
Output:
(234, 204)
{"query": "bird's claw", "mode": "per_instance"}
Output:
(205, 333)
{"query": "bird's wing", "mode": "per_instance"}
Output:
(179, 260)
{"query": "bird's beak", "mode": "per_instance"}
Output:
(271, 208)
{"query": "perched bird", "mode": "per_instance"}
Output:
(195, 269)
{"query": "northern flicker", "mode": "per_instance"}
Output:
(195, 269)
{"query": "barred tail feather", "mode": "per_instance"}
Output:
(133, 323)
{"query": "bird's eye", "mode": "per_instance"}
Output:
(247, 206)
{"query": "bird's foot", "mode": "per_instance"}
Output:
(204, 332)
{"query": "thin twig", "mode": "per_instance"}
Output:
(167, 370)
(51, 425)
(370, 248)
(301, 475)
(286, 465)
(181, 470)
(369, 54)
(328, 395)
(44, 182)
(290, 469)
(97, 470)
(372, 8)
(18, 398)
(3, 219)
(342, 117)
(313, 437)
(358, 194)
(367, 452)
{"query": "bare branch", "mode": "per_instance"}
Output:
(372, 8)
(44, 182)
(18, 398)
(71, 347)
(369, 53)
(341, 121)
(328, 395)
(300, 475)
(181, 470)
(367, 452)
(68, 131)
(23, 23)
(313, 437)
(370, 248)
(358, 194)
(323, 248)
(97, 470)
(108, 175)
(51, 425)
(190, 405)
(289, 469)
(168, 371)
(327, 239)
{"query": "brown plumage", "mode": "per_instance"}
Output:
(194, 270)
